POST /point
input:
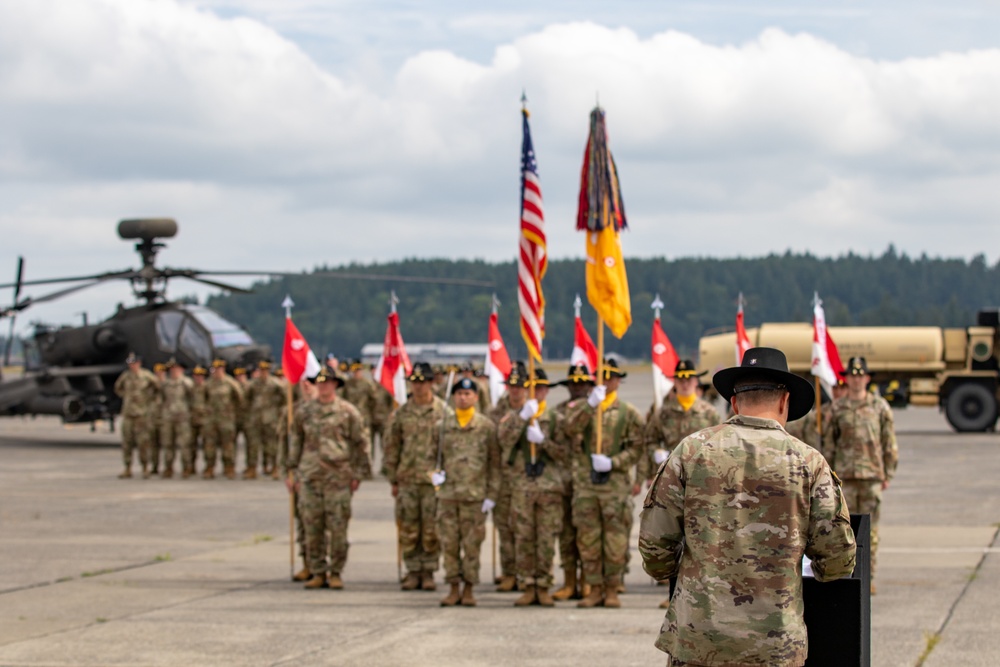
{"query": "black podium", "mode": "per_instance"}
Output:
(838, 613)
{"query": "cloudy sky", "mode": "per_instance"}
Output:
(283, 134)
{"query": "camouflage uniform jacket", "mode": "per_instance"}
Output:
(860, 442)
(621, 437)
(362, 393)
(410, 454)
(177, 396)
(566, 445)
(140, 393)
(805, 429)
(502, 408)
(671, 424)
(267, 400)
(470, 458)
(199, 404)
(329, 442)
(731, 513)
(515, 451)
(223, 399)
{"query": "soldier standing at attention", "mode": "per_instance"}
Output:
(362, 393)
(516, 395)
(175, 431)
(578, 382)
(243, 414)
(199, 412)
(223, 404)
(139, 390)
(601, 484)
(410, 458)
(467, 480)
(328, 458)
(536, 482)
(266, 405)
(160, 371)
(860, 446)
(732, 512)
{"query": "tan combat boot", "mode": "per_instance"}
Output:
(276, 474)
(453, 597)
(229, 472)
(316, 581)
(595, 598)
(665, 604)
(168, 473)
(335, 582)
(186, 473)
(411, 582)
(208, 474)
(125, 474)
(527, 598)
(250, 473)
(569, 588)
(611, 586)
(468, 599)
(427, 581)
(145, 471)
(302, 575)
(544, 599)
(507, 584)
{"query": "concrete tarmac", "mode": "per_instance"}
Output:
(100, 571)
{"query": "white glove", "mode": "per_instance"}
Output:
(529, 409)
(437, 478)
(601, 462)
(535, 434)
(660, 455)
(597, 395)
(488, 506)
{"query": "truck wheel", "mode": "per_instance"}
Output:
(971, 407)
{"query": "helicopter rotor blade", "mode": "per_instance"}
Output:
(344, 275)
(13, 318)
(215, 283)
(31, 301)
(112, 275)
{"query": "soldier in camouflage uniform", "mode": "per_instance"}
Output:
(139, 390)
(532, 456)
(516, 385)
(731, 514)
(243, 414)
(363, 393)
(578, 382)
(223, 404)
(199, 414)
(860, 446)
(328, 458)
(175, 429)
(601, 484)
(410, 458)
(265, 400)
(160, 371)
(467, 481)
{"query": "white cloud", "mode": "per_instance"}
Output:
(118, 108)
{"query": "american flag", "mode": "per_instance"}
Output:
(532, 259)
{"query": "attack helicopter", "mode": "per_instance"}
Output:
(70, 371)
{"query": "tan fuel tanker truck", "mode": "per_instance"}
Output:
(955, 369)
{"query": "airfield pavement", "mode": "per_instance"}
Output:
(100, 571)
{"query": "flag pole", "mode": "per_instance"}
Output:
(287, 305)
(819, 394)
(600, 380)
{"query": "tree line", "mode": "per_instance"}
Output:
(699, 295)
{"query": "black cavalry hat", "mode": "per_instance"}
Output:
(327, 374)
(577, 374)
(422, 372)
(770, 364)
(611, 370)
(685, 368)
(518, 376)
(855, 366)
(540, 379)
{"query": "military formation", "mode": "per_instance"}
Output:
(557, 479)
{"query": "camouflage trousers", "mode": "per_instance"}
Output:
(220, 434)
(154, 452)
(189, 449)
(175, 435)
(461, 528)
(300, 531)
(602, 535)
(325, 507)
(501, 518)
(416, 515)
(262, 444)
(864, 496)
(569, 554)
(137, 433)
(536, 517)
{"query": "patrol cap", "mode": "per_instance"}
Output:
(611, 370)
(540, 379)
(422, 372)
(855, 366)
(329, 375)
(770, 366)
(133, 358)
(159, 368)
(685, 368)
(218, 363)
(577, 374)
(465, 383)
(518, 376)
(199, 370)
(264, 365)
(239, 370)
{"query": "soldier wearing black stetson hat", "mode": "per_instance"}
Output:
(732, 512)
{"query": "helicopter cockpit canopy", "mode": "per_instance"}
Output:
(195, 331)
(223, 332)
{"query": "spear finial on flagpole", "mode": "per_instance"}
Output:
(577, 305)
(393, 300)
(657, 306)
(524, 100)
(816, 300)
(739, 301)
(287, 305)
(495, 303)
